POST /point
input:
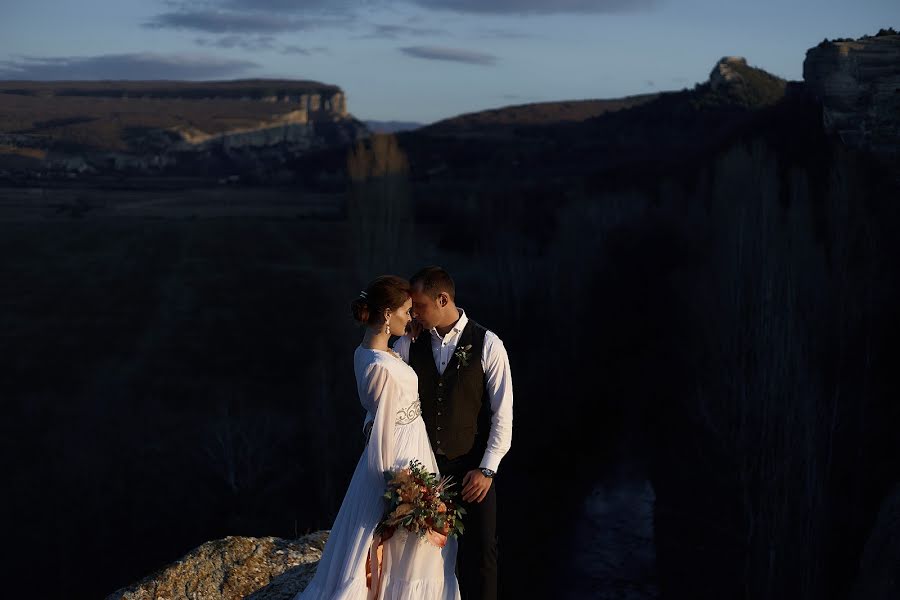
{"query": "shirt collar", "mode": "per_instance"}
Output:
(457, 328)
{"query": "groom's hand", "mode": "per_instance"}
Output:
(475, 486)
(413, 329)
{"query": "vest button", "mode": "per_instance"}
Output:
(439, 414)
(440, 384)
(439, 442)
(439, 428)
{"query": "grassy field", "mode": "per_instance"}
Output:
(101, 268)
(67, 202)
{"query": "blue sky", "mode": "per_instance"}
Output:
(424, 60)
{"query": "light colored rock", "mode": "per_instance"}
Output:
(858, 83)
(234, 568)
(725, 74)
(292, 127)
(337, 105)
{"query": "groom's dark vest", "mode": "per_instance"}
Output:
(455, 406)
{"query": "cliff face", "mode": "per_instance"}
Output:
(311, 96)
(218, 128)
(318, 105)
(858, 83)
(235, 568)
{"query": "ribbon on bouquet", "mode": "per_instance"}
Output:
(438, 539)
(374, 568)
(373, 565)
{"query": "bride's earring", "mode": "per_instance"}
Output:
(387, 326)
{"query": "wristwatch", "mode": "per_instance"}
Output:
(488, 473)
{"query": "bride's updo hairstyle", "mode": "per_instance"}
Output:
(387, 292)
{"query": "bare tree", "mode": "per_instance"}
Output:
(379, 206)
(768, 309)
(244, 450)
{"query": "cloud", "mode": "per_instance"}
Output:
(505, 34)
(269, 15)
(392, 32)
(217, 21)
(145, 65)
(291, 5)
(251, 44)
(544, 7)
(258, 43)
(304, 51)
(450, 54)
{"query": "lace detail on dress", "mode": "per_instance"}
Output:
(407, 415)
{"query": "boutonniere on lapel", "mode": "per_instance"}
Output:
(463, 354)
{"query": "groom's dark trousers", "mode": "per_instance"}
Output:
(476, 562)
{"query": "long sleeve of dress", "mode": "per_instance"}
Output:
(401, 347)
(379, 395)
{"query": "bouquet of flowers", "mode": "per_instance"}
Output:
(421, 503)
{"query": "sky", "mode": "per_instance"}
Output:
(425, 60)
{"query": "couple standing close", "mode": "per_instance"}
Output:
(444, 398)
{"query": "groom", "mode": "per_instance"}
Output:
(466, 392)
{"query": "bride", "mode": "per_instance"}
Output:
(411, 567)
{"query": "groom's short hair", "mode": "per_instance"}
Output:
(433, 281)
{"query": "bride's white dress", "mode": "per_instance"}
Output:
(412, 568)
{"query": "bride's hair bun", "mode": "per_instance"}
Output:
(387, 292)
(360, 309)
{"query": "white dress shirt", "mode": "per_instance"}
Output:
(495, 363)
